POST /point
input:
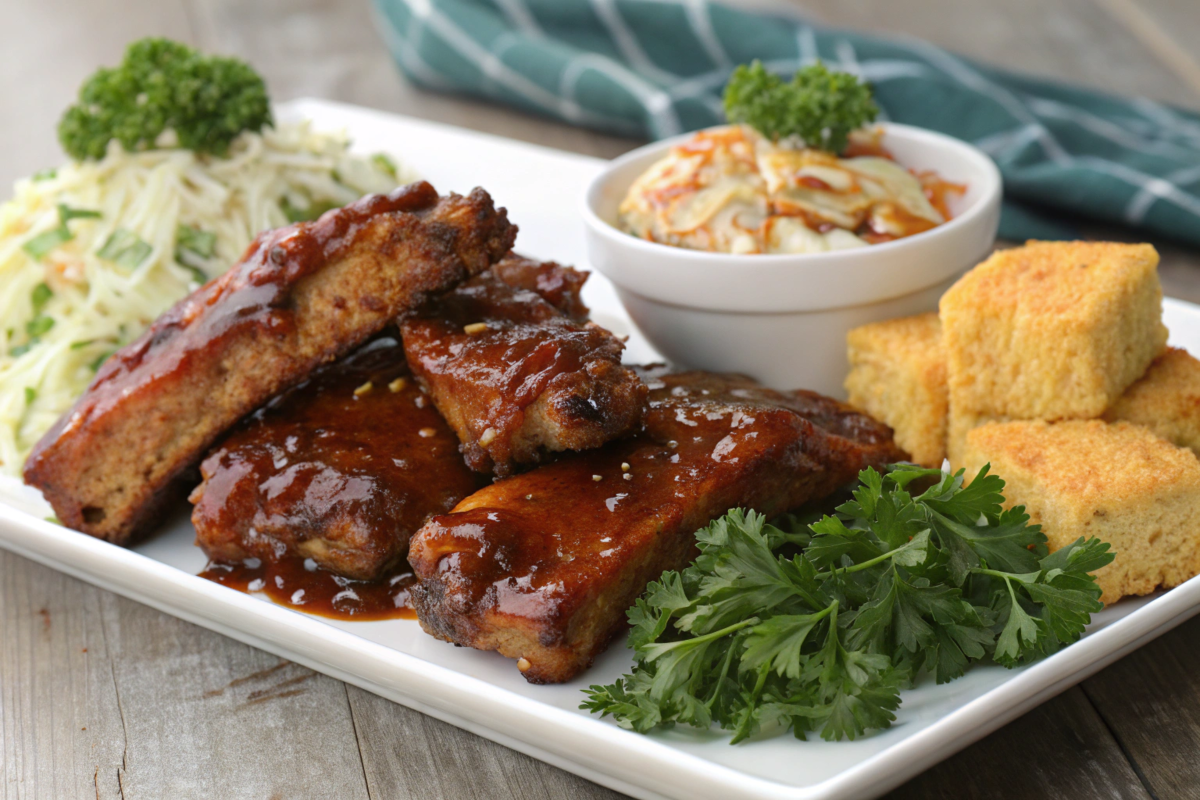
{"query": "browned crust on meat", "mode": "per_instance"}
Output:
(516, 378)
(542, 566)
(558, 285)
(300, 297)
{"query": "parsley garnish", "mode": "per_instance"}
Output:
(817, 105)
(817, 624)
(160, 85)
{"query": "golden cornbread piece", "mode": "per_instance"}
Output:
(1166, 400)
(957, 428)
(898, 376)
(1117, 482)
(1052, 330)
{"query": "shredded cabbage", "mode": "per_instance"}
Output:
(93, 252)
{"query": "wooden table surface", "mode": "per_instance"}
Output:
(103, 697)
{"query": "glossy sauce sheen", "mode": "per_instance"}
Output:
(491, 350)
(559, 286)
(298, 583)
(252, 294)
(341, 469)
(578, 518)
(301, 297)
(542, 566)
(532, 342)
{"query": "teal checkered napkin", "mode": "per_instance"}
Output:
(656, 68)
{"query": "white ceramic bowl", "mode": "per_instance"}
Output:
(783, 319)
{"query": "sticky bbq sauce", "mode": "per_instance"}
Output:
(301, 585)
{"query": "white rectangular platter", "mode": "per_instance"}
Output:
(483, 692)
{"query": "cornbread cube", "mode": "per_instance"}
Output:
(1118, 482)
(1166, 400)
(957, 429)
(898, 375)
(1052, 330)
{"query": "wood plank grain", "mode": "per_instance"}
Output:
(408, 755)
(1177, 19)
(332, 50)
(1069, 40)
(109, 698)
(205, 716)
(170, 705)
(1162, 26)
(1151, 701)
(60, 723)
(1060, 750)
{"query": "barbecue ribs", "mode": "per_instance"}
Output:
(342, 469)
(300, 297)
(345, 467)
(513, 371)
(559, 286)
(542, 566)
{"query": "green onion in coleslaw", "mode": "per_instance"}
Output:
(92, 252)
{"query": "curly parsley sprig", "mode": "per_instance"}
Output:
(819, 106)
(159, 85)
(816, 624)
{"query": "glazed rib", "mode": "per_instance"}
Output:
(542, 567)
(558, 285)
(514, 374)
(300, 297)
(345, 467)
(341, 469)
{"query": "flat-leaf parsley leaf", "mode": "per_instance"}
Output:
(816, 624)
